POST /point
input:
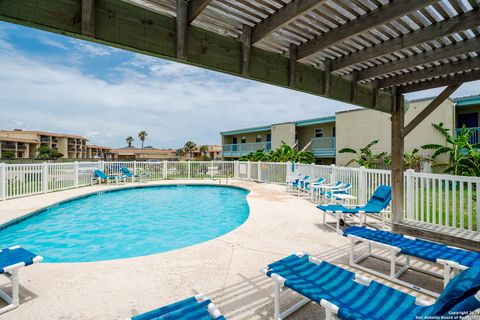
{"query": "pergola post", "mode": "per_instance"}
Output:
(397, 158)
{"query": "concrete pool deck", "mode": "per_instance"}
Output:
(226, 268)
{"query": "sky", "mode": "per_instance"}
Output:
(54, 83)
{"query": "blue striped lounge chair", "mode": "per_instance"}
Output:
(293, 179)
(129, 175)
(349, 296)
(377, 204)
(101, 176)
(310, 185)
(451, 259)
(11, 261)
(299, 183)
(198, 307)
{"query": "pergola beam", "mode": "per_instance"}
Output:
(429, 109)
(464, 21)
(283, 17)
(131, 27)
(470, 45)
(441, 82)
(375, 18)
(246, 49)
(436, 71)
(195, 7)
(182, 29)
(88, 18)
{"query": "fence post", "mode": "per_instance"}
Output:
(259, 171)
(236, 169)
(45, 177)
(249, 175)
(165, 168)
(189, 171)
(75, 169)
(362, 185)
(312, 170)
(211, 170)
(332, 173)
(102, 165)
(3, 181)
(409, 193)
(134, 167)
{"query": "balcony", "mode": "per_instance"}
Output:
(21, 146)
(242, 149)
(8, 146)
(45, 139)
(475, 139)
(323, 147)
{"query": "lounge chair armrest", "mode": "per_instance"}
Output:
(330, 306)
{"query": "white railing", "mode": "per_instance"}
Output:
(431, 198)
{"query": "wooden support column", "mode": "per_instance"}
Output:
(354, 85)
(397, 158)
(88, 18)
(246, 48)
(182, 29)
(292, 62)
(326, 79)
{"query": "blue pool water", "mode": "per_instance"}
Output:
(130, 223)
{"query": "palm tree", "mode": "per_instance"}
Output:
(189, 147)
(129, 140)
(365, 156)
(461, 153)
(142, 135)
(284, 153)
(203, 150)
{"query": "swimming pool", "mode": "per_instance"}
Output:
(130, 222)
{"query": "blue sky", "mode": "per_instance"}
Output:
(55, 83)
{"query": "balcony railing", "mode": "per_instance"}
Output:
(242, 149)
(8, 146)
(45, 139)
(475, 139)
(21, 146)
(323, 147)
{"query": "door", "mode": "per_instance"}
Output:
(470, 120)
(234, 142)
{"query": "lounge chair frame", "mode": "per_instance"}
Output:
(331, 310)
(450, 268)
(12, 274)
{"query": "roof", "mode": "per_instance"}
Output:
(138, 150)
(13, 139)
(42, 133)
(299, 123)
(467, 101)
(94, 146)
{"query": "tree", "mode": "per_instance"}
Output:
(411, 160)
(142, 135)
(48, 153)
(284, 153)
(462, 158)
(8, 154)
(189, 147)
(130, 140)
(203, 150)
(365, 156)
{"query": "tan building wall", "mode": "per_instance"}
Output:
(306, 133)
(357, 128)
(283, 133)
(250, 137)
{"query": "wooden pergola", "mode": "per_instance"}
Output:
(364, 52)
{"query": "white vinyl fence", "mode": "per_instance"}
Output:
(432, 198)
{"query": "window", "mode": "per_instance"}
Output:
(243, 140)
(269, 137)
(259, 138)
(318, 132)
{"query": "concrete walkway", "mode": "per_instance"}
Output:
(226, 268)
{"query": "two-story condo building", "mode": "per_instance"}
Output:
(355, 129)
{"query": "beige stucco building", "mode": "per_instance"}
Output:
(25, 144)
(326, 136)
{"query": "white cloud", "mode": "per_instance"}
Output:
(90, 48)
(172, 102)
